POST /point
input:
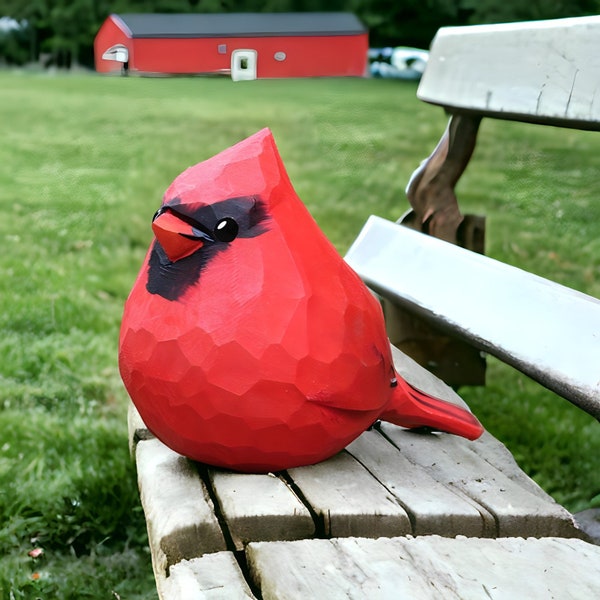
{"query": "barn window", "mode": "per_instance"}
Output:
(222, 48)
(118, 52)
(280, 56)
(243, 63)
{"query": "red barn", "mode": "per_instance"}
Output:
(245, 45)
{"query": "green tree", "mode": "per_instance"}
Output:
(27, 13)
(493, 11)
(408, 23)
(13, 42)
(72, 25)
(65, 29)
(61, 28)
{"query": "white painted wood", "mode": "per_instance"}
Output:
(260, 507)
(427, 567)
(212, 577)
(548, 331)
(179, 514)
(449, 460)
(540, 71)
(118, 53)
(433, 508)
(349, 500)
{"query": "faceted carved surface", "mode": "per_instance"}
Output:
(246, 341)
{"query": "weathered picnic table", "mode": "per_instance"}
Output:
(402, 513)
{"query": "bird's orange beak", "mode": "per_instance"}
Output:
(177, 238)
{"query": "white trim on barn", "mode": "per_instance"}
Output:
(243, 65)
(118, 52)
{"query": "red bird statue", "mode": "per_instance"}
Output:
(247, 342)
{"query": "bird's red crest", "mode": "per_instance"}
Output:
(252, 167)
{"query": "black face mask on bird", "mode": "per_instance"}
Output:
(181, 235)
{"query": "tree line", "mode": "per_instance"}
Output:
(62, 31)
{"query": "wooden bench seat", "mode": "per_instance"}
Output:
(427, 568)
(210, 530)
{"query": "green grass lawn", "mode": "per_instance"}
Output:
(84, 161)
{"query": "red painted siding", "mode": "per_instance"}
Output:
(305, 56)
(108, 35)
(178, 56)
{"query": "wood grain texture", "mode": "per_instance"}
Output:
(427, 567)
(212, 577)
(545, 71)
(515, 509)
(348, 500)
(259, 507)
(180, 516)
(433, 508)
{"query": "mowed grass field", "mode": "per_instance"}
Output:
(84, 161)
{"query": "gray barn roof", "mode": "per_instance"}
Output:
(240, 24)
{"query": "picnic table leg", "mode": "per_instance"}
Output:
(430, 190)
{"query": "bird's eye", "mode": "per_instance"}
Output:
(226, 230)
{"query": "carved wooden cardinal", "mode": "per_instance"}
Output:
(247, 342)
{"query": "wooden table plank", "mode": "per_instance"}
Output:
(212, 577)
(497, 454)
(449, 460)
(179, 513)
(259, 507)
(426, 567)
(304, 569)
(433, 508)
(349, 500)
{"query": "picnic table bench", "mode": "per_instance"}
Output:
(401, 513)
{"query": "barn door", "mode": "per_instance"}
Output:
(243, 65)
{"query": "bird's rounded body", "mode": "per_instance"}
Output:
(247, 342)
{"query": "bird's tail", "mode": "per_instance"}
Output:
(412, 408)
